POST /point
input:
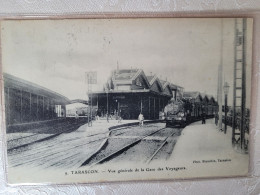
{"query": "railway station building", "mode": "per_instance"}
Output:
(26, 102)
(130, 92)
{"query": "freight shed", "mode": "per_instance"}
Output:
(26, 102)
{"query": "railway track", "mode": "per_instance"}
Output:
(99, 157)
(46, 154)
(75, 146)
(24, 141)
(34, 155)
(160, 147)
(45, 137)
(156, 147)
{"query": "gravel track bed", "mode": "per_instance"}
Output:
(165, 132)
(140, 131)
(117, 143)
(166, 151)
(112, 146)
(121, 131)
(139, 153)
(146, 148)
(134, 130)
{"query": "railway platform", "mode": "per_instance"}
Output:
(204, 147)
(102, 126)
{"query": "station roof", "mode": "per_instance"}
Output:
(127, 92)
(125, 74)
(122, 91)
(165, 84)
(153, 79)
(203, 95)
(191, 94)
(195, 94)
(20, 84)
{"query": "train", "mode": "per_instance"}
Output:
(182, 112)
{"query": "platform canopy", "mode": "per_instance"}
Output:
(11, 81)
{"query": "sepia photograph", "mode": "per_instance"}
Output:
(126, 99)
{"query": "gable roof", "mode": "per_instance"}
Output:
(191, 95)
(211, 100)
(153, 79)
(170, 91)
(162, 82)
(165, 84)
(195, 94)
(205, 96)
(126, 76)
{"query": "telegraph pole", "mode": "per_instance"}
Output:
(219, 98)
(220, 79)
(91, 79)
(90, 101)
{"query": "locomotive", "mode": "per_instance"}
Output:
(177, 112)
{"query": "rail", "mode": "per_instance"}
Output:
(118, 151)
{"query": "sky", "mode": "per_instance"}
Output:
(56, 53)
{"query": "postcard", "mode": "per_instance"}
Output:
(101, 100)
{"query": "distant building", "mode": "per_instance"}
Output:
(80, 108)
(129, 92)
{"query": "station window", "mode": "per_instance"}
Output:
(138, 82)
